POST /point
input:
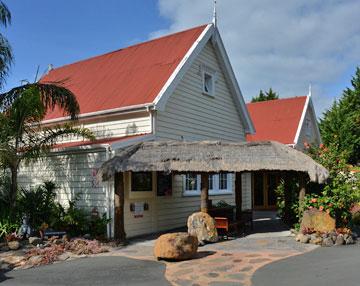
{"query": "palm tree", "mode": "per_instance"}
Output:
(6, 57)
(22, 136)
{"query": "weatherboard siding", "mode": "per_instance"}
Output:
(74, 175)
(312, 138)
(120, 126)
(165, 212)
(191, 115)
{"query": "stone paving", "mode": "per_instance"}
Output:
(231, 262)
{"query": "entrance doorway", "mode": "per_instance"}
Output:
(264, 185)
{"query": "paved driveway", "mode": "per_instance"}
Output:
(90, 271)
(331, 266)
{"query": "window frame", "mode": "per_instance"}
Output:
(215, 191)
(308, 127)
(207, 71)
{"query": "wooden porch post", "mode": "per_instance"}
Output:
(238, 195)
(204, 192)
(287, 196)
(302, 192)
(119, 199)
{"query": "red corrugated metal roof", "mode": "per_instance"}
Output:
(276, 120)
(126, 77)
(98, 141)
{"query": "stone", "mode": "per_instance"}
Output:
(35, 260)
(202, 226)
(303, 238)
(349, 240)
(63, 257)
(317, 221)
(14, 245)
(339, 239)
(315, 239)
(12, 259)
(327, 241)
(35, 240)
(176, 246)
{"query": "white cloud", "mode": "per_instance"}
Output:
(280, 44)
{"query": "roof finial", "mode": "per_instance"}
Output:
(215, 15)
(309, 90)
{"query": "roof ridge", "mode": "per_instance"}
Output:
(281, 99)
(128, 47)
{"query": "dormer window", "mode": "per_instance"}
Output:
(208, 81)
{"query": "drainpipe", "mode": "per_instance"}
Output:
(109, 214)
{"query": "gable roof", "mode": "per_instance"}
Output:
(127, 77)
(142, 76)
(277, 120)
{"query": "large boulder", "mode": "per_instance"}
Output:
(176, 246)
(317, 221)
(202, 226)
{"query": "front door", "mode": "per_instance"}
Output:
(264, 186)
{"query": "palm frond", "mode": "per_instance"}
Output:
(47, 138)
(5, 15)
(52, 94)
(6, 59)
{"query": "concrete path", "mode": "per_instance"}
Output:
(331, 266)
(102, 271)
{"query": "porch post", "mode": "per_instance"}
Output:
(119, 199)
(204, 192)
(287, 196)
(238, 195)
(302, 192)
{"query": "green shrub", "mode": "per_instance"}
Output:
(288, 212)
(7, 227)
(41, 208)
(342, 189)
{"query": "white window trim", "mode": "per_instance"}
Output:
(212, 192)
(212, 73)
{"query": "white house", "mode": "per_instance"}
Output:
(179, 87)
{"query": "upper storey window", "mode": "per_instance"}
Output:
(208, 81)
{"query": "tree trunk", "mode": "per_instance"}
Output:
(119, 223)
(13, 189)
(204, 192)
(238, 195)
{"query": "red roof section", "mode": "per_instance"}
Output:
(126, 77)
(276, 120)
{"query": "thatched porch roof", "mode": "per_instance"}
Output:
(212, 156)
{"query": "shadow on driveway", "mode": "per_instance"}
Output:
(105, 270)
(331, 266)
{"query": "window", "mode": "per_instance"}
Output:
(219, 184)
(223, 181)
(208, 84)
(191, 182)
(141, 182)
(211, 182)
(308, 127)
(208, 80)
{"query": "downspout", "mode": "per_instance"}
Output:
(109, 214)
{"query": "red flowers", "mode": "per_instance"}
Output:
(314, 200)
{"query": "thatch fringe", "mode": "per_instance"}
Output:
(212, 157)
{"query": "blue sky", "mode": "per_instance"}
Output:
(280, 44)
(46, 32)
